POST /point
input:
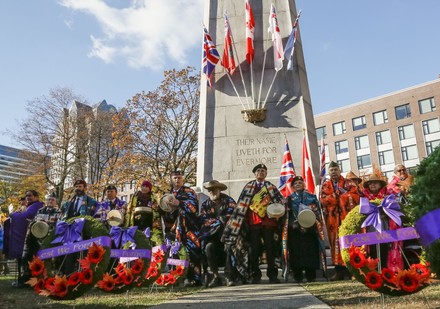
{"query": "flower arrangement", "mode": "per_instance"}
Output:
(59, 287)
(365, 269)
(403, 281)
(171, 277)
(177, 264)
(156, 266)
(92, 262)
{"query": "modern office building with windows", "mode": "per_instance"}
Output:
(399, 127)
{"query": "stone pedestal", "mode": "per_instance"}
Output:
(229, 145)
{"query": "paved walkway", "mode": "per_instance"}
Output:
(255, 296)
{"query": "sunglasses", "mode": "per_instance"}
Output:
(402, 170)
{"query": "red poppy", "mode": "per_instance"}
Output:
(128, 277)
(84, 263)
(87, 276)
(39, 286)
(158, 256)
(153, 264)
(357, 259)
(60, 286)
(120, 268)
(36, 266)
(170, 279)
(152, 272)
(407, 280)
(49, 283)
(180, 270)
(389, 275)
(137, 266)
(74, 278)
(371, 263)
(96, 253)
(119, 279)
(422, 271)
(160, 280)
(107, 283)
(373, 280)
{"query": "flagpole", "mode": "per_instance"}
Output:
(236, 92)
(252, 85)
(262, 75)
(239, 68)
(270, 88)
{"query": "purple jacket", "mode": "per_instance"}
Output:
(18, 229)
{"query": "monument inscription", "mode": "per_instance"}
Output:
(250, 151)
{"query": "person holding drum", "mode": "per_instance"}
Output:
(215, 213)
(256, 196)
(80, 204)
(335, 206)
(112, 210)
(305, 232)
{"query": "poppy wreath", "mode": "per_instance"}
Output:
(92, 263)
(365, 269)
(177, 267)
(123, 276)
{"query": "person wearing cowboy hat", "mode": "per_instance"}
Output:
(303, 243)
(215, 213)
(336, 201)
(375, 187)
(80, 204)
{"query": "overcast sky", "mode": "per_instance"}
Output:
(112, 49)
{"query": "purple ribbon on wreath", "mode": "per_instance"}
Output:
(175, 248)
(121, 236)
(390, 207)
(147, 232)
(68, 233)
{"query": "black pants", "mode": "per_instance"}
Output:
(256, 233)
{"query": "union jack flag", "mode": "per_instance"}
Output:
(210, 56)
(322, 163)
(290, 45)
(287, 173)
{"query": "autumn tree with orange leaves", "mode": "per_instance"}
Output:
(159, 131)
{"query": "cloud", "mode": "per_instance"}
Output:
(145, 32)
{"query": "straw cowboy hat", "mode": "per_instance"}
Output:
(214, 184)
(375, 178)
(352, 176)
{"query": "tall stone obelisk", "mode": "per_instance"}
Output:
(229, 146)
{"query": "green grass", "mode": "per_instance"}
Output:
(348, 294)
(135, 298)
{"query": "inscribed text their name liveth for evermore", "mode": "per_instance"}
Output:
(254, 150)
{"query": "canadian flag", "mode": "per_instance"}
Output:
(307, 169)
(250, 28)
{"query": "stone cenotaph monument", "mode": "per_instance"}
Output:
(245, 117)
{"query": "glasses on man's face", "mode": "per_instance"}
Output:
(402, 170)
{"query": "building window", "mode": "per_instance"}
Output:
(344, 165)
(359, 123)
(430, 126)
(386, 157)
(409, 152)
(361, 142)
(427, 105)
(339, 128)
(321, 133)
(406, 132)
(403, 111)
(430, 146)
(364, 161)
(383, 137)
(341, 147)
(380, 117)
